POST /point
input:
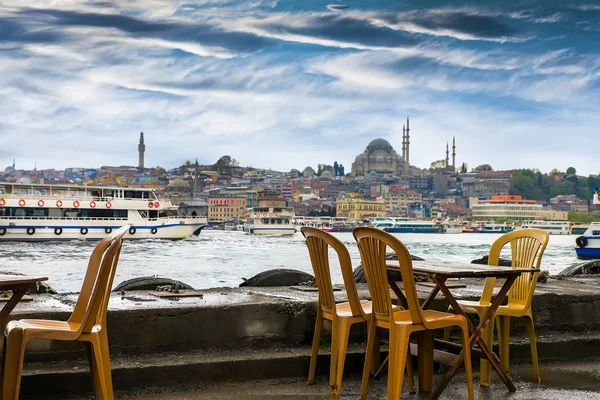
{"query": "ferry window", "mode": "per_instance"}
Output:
(287, 221)
(279, 221)
(595, 233)
(273, 221)
(152, 214)
(40, 212)
(266, 221)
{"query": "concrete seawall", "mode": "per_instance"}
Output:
(249, 333)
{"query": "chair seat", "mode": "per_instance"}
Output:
(402, 317)
(343, 309)
(42, 326)
(474, 307)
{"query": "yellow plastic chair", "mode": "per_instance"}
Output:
(341, 315)
(87, 323)
(372, 245)
(527, 247)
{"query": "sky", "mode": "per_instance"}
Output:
(286, 84)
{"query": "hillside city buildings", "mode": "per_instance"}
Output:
(381, 182)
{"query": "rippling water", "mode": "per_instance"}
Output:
(221, 258)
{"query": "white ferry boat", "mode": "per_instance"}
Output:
(552, 227)
(270, 221)
(491, 227)
(70, 212)
(451, 227)
(588, 244)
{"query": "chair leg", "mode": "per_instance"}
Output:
(315, 347)
(96, 378)
(398, 353)
(410, 374)
(101, 389)
(467, 360)
(533, 347)
(106, 370)
(485, 369)
(368, 360)
(14, 351)
(335, 339)
(344, 333)
(504, 341)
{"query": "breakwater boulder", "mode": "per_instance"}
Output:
(149, 283)
(359, 273)
(591, 267)
(278, 277)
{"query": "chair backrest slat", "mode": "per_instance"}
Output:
(372, 244)
(92, 302)
(527, 248)
(318, 243)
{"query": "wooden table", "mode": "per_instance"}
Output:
(19, 284)
(439, 272)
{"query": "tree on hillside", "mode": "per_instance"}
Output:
(463, 168)
(160, 170)
(227, 161)
(524, 182)
(571, 171)
(483, 167)
(554, 172)
(341, 170)
(336, 168)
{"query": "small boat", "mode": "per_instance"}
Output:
(588, 244)
(452, 227)
(410, 225)
(551, 227)
(270, 221)
(490, 227)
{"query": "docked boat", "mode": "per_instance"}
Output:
(410, 225)
(588, 244)
(551, 227)
(44, 212)
(270, 221)
(490, 227)
(451, 226)
(579, 229)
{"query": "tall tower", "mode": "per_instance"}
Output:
(453, 152)
(404, 142)
(407, 159)
(196, 175)
(141, 150)
(14, 163)
(447, 156)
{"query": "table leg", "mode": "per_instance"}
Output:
(397, 291)
(475, 335)
(11, 304)
(425, 351)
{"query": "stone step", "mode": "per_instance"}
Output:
(57, 379)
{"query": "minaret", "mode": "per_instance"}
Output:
(141, 150)
(407, 159)
(14, 163)
(453, 153)
(447, 155)
(404, 142)
(196, 174)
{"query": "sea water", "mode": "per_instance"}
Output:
(223, 258)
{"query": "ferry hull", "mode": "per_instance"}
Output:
(50, 233)
(588, 253)
(270, 231)
(428, 229)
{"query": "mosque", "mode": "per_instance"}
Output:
(380, 158)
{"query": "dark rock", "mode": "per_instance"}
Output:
(359, 273)
(278, 277)
(583, 268)
(148, 283)
(503, 262)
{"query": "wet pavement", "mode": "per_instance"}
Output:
(566, 380)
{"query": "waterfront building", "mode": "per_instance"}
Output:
(226, 208)
(397, 204)
(420, 182)
(512, 208)
(357, 208)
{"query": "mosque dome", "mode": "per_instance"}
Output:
(326, 174)
(178, 185)
(379, 144)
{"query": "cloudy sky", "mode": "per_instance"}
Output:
(286, 84)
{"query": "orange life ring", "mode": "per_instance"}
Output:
(58, 203)
(22, 203)
(150, 204)
(41, 203)
(76, 204)
(264, 214)
(156, 204)
(93, 204)
(108, 205)
(598, 196)
(270, 214)
(2, 202)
